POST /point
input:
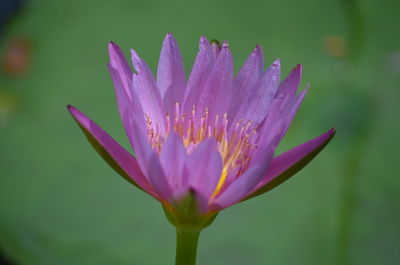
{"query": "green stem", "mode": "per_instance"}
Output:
(186, 247)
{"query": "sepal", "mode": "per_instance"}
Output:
(289, 163)
(187, 211)
(113, 153)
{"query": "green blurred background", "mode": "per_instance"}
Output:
(60, 204)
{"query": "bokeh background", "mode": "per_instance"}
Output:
(60, 204)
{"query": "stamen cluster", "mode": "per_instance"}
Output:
(235, 145)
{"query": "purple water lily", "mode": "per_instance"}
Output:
(213, 135)
(205, 143)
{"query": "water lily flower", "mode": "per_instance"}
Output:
(206, 143)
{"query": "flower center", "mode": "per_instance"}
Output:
(235, 145)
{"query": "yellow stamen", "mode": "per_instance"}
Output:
(234, 149)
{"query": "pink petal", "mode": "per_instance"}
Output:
(269, 139)
(284, 95)
(244, 184)
(114, 154)
(172, 158)
(257, 102)
(157, 178)
(284, 105)
(291, 110)
(138, 139)
(239, 188)
(204, 167)
(146, 89)
(285, 119)
(121, 75)
(287, 164)
(252, 69)
(250, 73)
(147, 158)
(216, 93)
(201, 68)
(170, 74)
(289, 86)
(123, 100)
(122, 70)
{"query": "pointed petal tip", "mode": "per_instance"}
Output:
(77, 114)
(277, 62)
(112, 44)
(175, 136)
(225, 44)
(332, 131)
(203, 41)
(226, 49)
(257, 52)
(296, 70)
(113, 47)
(327, 136)
(258, 49)
(170, 45)
(72, 109)
(117, 58)
(294, 76)
(134, 54)
(276, 65)
(211, 141)
(169, 37)
(136, 60)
